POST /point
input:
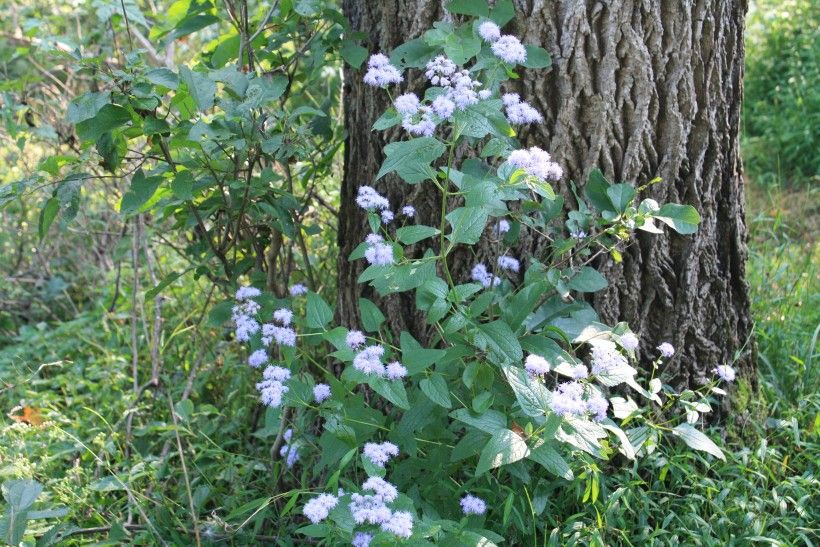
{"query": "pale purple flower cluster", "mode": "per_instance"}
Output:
(378, 252)
(291, 454)
(355, 339)
(489, 31)
(369, 198)
(298, 290)
(666, 349)
(284, 336)
(629, 341)
(502, 227)
(318, 509)
(472, 505)
(409, 211)
(362, 539)
(578, 234)
(407, 104)
(283, 316)
(380, 73)
(606, 358)
(400, 524)
(247, 293)
(369, 361)
(395, 371)
(272, 387)
(537, 163)
(726, 373)
(480, 274)
(520, 112)
(578, 371)
(536, 365)
(509, 264)
(258, 358)
(387, 216)
(568, 400)
(443, 107)
(321, 392)
(380, 453)
(421, 123)
(439, 70)
(381, 489)
(510, 50)
(244, 313)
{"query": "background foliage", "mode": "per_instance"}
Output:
(65, 362)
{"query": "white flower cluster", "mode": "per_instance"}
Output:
(369, 361)
(506, 47)
(536, 163)
(605, 358)
(480, 274)
(667, 350)
(726, 373)
(298, 290)
(570, 398)
(272, 387)
(318, 509)
(520, 112)
(378, 252)
(321, 392)
(510, 50)
(536, 365)
(380, 453)
(629, 341)
(368, 198)
(501, 228)
(460, 92)
(380, 73)
(509, 264)
(370, 508)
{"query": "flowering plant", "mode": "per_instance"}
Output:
(520, 376)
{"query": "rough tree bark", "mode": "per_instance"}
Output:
(639, 89)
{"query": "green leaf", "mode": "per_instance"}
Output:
(390, 118)
(531, 394)
(318, 313)
(21, 494)
(551, 460)
(595, 191)
(392, 390)
(698, 440)
(588, 280)
(476, 8)
(371, 315)
(415, 357)
(142, 189)
(469, 445)
(621, 196)
(353, 53)
(47, 215)
(467, 224)
(489, 422)
(537, 57)
(413, 234)
(86, 106)
(411, 159)
(200, 87)
(684, 219)
(182, 185)
(415, 53)
(503, 12)
(499, 339)
(435, 387)
(109, 117)
(166, 281)
(505, 447)
(163, 77)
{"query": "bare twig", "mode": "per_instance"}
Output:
(185, 471)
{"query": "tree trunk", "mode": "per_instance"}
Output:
(638, 89)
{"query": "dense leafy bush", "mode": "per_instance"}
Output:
(781, 112)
